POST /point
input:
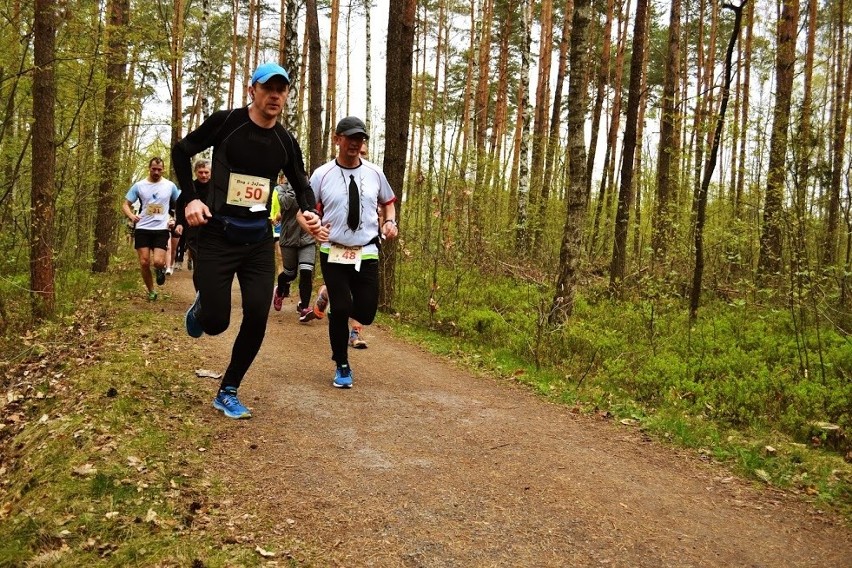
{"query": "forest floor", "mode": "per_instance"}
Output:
(423, 463)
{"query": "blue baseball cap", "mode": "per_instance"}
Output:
(267, 71)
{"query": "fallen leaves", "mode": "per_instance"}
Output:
(85, 470)
(265, 553)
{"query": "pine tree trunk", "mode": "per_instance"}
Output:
(316, 141)
(43, 195)
(669, 149)
(625, 191)
(400, 50)
(331, 77)
(111, 130)
(805, 144)
(838, 141)
(556, 118)
(701, 198)
(771, 238)
(602, 80)
(744, 111)
(232, 79)
(540, 187)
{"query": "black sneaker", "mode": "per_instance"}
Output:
(193, 326)
(161, 276)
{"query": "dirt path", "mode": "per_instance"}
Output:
(422, 464)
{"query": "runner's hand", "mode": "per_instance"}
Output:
(322, 234)
(197, 213)
(312, 220)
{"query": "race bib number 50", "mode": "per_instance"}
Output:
(247, 191)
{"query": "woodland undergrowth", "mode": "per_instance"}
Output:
(101, 442)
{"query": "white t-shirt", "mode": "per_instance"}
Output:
(154, 199)
(330, 183)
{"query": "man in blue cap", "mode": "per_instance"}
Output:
(250, 148)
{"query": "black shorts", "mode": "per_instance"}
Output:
(152, 239)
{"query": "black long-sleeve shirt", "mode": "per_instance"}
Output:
(240, 146)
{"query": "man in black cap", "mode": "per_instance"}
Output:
(250, 148)
(351, 192)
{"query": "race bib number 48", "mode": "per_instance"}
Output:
(247, 191)
(340, 254)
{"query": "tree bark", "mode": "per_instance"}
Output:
(522, 137)
(317, 147)
(838, 143)
(540, 187)
(43, 195)
(571, 248)
(769, 261)
(701, 198)
(111, 132)
(331, 78)
(668, 154)
(400, 50)
(625, 191)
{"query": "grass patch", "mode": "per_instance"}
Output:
(99, 439)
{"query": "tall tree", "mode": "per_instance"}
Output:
(769, 261)
(331, 77)
(176, 39)
(572, 241)
(232, 78)
(669, 148)
(400, 50)
(744, 110)
(605, 190)
(541, 116)
(289, 55)
(701, 198)
(522, 136)
(805, 144)
(840, 116)
(368, 66)
(44, 160)
(556, 115)
(315, 143)
(602, 73)
(111, 130)
(625, 191)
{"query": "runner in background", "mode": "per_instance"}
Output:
(350, 191)
(298, 251)
(356, 338)
(156, 195)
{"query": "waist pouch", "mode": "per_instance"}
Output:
(240, 231)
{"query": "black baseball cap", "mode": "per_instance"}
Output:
(350, 126)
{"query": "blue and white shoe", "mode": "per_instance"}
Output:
(193, 326)
(226, 401)
(343, 377)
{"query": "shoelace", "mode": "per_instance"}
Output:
(230, 399)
